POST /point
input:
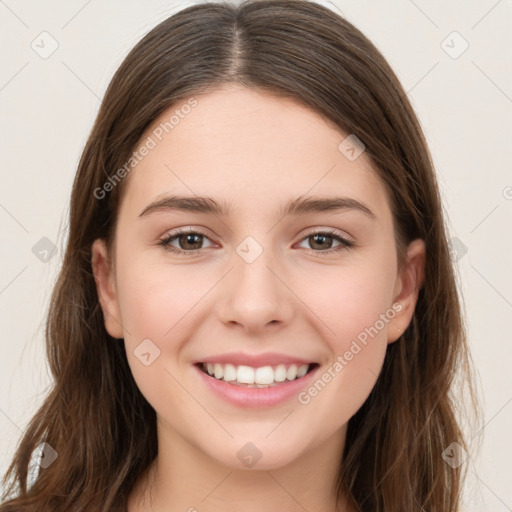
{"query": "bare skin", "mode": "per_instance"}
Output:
(254, 152)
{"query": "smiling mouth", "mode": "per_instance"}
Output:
(262, 377)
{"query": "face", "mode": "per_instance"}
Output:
(260, 288)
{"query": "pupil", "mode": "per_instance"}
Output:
(189, 238)
(321, 237)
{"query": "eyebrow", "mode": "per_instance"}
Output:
(299, 206)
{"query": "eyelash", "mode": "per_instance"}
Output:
(331, 233)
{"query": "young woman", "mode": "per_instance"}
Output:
(257, 308)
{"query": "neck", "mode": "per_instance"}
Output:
(185, 479)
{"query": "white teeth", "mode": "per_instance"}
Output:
(262, 377)
(229, 372)
(292, 372)
(218, 371)
(302, 370)
(245, 375)
(280, 373)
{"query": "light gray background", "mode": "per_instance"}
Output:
(464, 105)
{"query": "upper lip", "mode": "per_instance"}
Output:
(254, 360)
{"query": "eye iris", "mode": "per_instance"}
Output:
(186, 238)
(194, 241)
(322, 239)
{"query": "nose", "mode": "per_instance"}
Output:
(254, 296)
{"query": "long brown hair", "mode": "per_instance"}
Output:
(95, 417)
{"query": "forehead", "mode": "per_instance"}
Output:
(248, 149)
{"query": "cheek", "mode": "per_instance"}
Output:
(354, 306)
(350, 301)
(155, 314)
(357, 311)
(347, 306)
(160, 303)
(154, 299)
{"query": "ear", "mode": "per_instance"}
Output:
(407, 288)
(105, 285)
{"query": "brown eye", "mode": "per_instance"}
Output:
(184, 242)
(322, 241)
(191, 241)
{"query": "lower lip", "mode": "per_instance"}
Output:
(256, 397)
